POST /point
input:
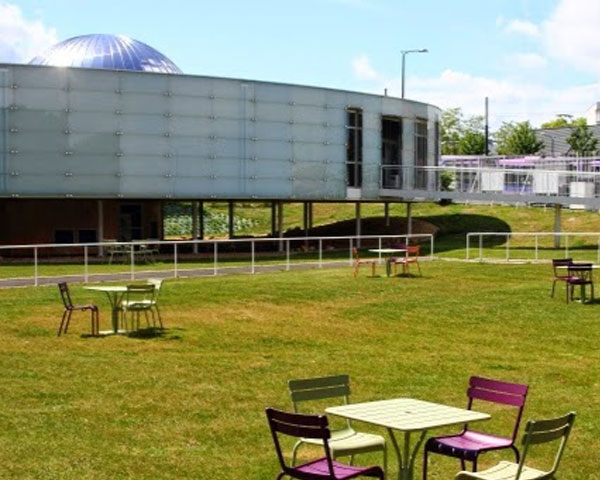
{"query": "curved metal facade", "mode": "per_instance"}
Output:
(114, 52)
(72, 132)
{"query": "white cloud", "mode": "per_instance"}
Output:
(22, 39)
(363, 69)
(529, 60)
(521, 27)
(509, 99)
(572, 33)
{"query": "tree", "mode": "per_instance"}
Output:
(461, 136)
(472, 143)
(582, 141)
(451, 129)
(517, 139)
(559, 122)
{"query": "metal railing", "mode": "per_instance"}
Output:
(75, 261)
(532, 246)
(544, 181)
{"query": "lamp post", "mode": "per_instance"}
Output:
(404, 53)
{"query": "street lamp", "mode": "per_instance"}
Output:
(404, 53)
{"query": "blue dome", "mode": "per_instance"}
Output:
(114, 52)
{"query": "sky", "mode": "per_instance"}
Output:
(534, 59)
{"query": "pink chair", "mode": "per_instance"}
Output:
(468, 444)
(312, 426)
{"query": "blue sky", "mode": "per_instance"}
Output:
(533, 58)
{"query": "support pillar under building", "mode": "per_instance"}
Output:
(386, 213)
(280, 224)
(230, 218)
(195, 225)
(408, 221)
(358, 223)
(557, 224)
(201, 220)
(273, 219)
(100, 227)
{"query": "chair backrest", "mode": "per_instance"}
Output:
(504, 393)
(413, 251)
(300, 426)
(560, 262)
(355, 253)
(140, 293)
(545, 431)
(583, 271)
(157, 282)
(65, 295)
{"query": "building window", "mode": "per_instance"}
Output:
(391, 152)
(420, 153)
(354, 147)
(87, 235)
(64, 236)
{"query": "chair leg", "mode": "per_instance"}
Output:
(373, 269)
(92, 322)
(62, 322)
(385, 466)
(295, 453)
(70, 312)
(419, 267)
(462, 464)
(356, 269)
(159, 317)
(351, 460)
(425, 463)
(553, 287)
(475, 464)
(517, 454)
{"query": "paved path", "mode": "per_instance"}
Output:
(182, 273)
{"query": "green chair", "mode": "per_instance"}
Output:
(157, 282)
(536, 433)
(344, 441)
(137, 299)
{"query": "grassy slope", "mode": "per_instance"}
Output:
(191, 402)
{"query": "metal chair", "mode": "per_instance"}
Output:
(579, 274)
(70, 308)
(137, 299)
(314, 427)
(411, 256)
(536, 433)
(560, 272)
(344, 441)
(157, 282)
(363, 261)
(469, 444)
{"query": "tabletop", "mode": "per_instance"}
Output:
(407, 414)
(594, 266)
(106, 288)
(387, 250)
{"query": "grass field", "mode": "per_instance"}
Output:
(188, 403)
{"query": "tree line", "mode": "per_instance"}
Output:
(462, 135)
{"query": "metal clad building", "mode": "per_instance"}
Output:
(121, 134)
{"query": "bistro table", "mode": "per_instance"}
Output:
(390, 252)
(409, 416)
(115, 295)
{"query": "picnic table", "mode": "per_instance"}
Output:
(390, 252)
(408, 416)
(115, 295)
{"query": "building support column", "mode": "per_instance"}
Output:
(305, 218)
(358, 223)
(100, 236)
(273, 219)
(280, 224)
(386, 213)
(195, 225)
(201, 220)
(230, 218)
(310, 215)
(408, 221)
(557, 224)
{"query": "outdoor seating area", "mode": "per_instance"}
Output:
(403, 255)
(409, 416)
(127, 302)
(574, 274)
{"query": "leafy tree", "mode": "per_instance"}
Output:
(451, 122)
(517, 139)
(563, 122)
(472, 143)
(582, 141)
(461, 136)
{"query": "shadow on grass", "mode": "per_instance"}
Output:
(154, 332)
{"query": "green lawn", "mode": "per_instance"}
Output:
(188, 404)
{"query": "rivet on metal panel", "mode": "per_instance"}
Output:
(325, 124)
(212, 97)
(68, 110)
(13, 108)
(119, 154)
(14, 86)
(14, 174)
(325, 143)
(168, 155)
(67, 89)
(69, 195)
(14, 152)
(118, 112)
(292, 160)
(254, 139)
(67, 132)
(117, 91)
(14, 130)
(292, 178)
(292, 103)
(15, 195)
(167, 94)
(252, 119)
(212, 137)
(168, 115)
(119, 174)
(68, 174)
(120, 195)
(212, 117)
(292, 122)
(167, 134)
(326, 106)
(325, 161)
(291, 140)
(118, 133)
(68, 153)
(212, 157)
(213, 196)
(253, 177)
(253, 158)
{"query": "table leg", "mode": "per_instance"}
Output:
(406, 458)
(114, 299)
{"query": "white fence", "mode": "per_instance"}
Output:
(532, 246)
(22, 265)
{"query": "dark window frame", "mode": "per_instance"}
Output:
(354, 147)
